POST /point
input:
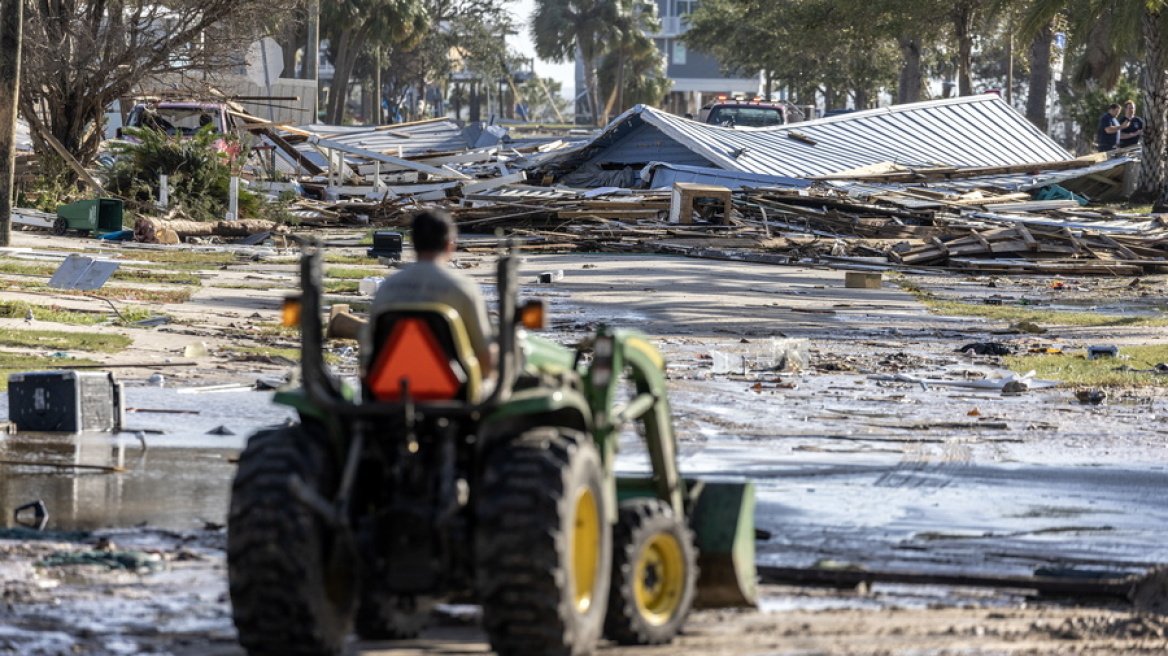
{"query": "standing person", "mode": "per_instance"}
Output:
(431, 280)
(1130, 135)
(1107, 137)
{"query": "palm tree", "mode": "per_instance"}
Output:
(1113, 30)
(560, 28)
(632, 51)
(354, 25)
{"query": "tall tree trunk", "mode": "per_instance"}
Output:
(863, 97)
(11, 17)
(591, 87)
(963, 14)
(1153, 183)
(476, 104)
(1039, 85)
(347, 52)
(908, 89)
(291, 42)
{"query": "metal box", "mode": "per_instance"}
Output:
(386, 244)
(65, 401)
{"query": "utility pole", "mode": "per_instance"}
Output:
(11, 17)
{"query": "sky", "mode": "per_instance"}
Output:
(522, 43)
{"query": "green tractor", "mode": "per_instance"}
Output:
(416, 486)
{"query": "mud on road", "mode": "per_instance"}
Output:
(850, 470)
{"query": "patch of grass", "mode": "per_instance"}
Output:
(274, 329)
(18, 362)
(338, 258)
(136, 275)
(1016, 313)
(64, 341)
(117, 293)
(289, 353)
(1075, 369)
(146, 275)
(57, 314)
(341, 286)
(27, 268)
(183, 258)
(352, 274)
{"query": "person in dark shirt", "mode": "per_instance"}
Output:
(1107, 137)
(1130, 135)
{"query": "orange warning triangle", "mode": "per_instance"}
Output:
(413, 353)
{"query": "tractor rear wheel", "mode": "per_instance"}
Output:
(654, 574)
(543, 546)
(290, 576)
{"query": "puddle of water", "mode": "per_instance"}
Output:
(179, 481)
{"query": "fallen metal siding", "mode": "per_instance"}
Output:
(961, 132)
(665, 175)
(436, 136)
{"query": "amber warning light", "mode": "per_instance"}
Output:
(290, 313)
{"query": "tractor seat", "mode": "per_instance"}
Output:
(426, 345)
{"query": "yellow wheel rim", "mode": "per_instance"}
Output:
(659, 579)
(585, 550)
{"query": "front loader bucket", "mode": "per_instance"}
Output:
(723, 522)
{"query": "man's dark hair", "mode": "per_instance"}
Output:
(1113, 106)
(431, 230)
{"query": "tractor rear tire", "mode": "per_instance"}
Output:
(654, 574)
(384, 616)
(543, 547)
(290, 576)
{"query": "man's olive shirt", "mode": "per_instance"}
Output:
(427, 281)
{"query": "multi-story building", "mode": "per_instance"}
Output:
(697, 76)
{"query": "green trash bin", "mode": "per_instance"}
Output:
(97, 216)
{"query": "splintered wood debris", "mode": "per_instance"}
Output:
(940, 217)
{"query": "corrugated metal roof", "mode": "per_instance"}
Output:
(437, 136)
(964, 132)
(1031, 181)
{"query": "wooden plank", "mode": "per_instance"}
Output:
(1026, 236)
(1115, 588)
(608, 214)
(297, 156)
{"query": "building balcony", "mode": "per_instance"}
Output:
(672, 26)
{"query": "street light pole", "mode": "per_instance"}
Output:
(11, 17)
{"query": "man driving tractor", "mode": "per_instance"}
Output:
(431, 280)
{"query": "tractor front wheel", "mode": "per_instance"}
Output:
(290, 575)
(654, 574)
(543, 545)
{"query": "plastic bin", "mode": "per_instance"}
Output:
(97, 216)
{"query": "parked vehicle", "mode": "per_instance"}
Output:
(184, 119)
(729, 112)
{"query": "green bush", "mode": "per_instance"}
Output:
(199, 173)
